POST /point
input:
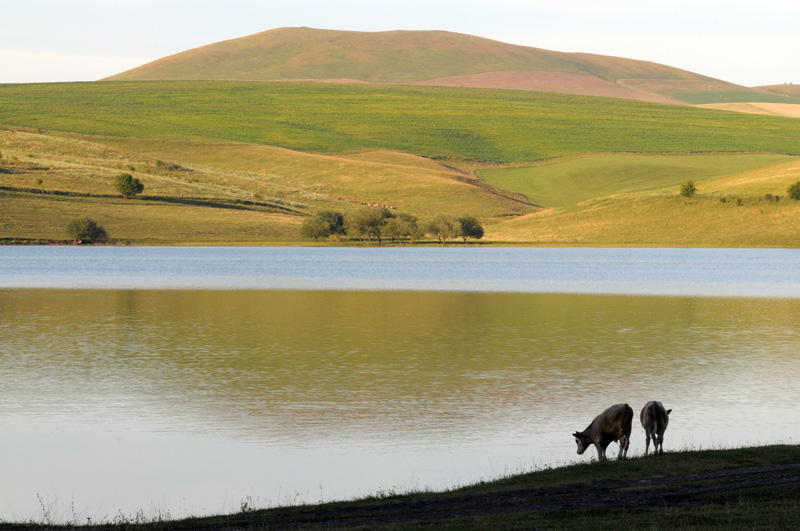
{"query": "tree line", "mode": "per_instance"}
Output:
(380, 223)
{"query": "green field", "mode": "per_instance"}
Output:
(564, 184)
(469, 124)
(245, 162)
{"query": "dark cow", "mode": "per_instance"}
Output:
(654, 421)
(612, 425)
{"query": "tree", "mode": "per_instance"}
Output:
(688, 189)
(86, 229)
(402, 226)
(444, 227)
(128, 185)
(323, 224)
(367, 222)
(794, 191)
(470, 228)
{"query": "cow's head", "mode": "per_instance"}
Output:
(582, 441)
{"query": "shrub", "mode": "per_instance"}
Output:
(403, 226)
(470, 228)
(794, 191)
(367, 222)
(688, 189)
(86, 229)
(323, 224)
(444, 227)
(128, 185)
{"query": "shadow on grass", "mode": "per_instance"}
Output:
(229, 204)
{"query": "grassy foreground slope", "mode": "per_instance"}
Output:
(469, 124)
(747, 488)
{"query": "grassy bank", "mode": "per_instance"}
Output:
(714, 489)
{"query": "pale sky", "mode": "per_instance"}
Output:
(742, 41)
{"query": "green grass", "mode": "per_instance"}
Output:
(565, 184)
(471, 124)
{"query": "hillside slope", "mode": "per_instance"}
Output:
(435, 58)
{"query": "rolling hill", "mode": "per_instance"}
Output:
(438, 58)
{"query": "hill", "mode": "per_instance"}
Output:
(245, 162)
(436, 58)
(787, 90)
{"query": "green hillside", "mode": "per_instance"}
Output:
(565, 184)
(246, 162)
(467, 124)
(433, 57)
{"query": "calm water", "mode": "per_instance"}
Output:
(332, 373)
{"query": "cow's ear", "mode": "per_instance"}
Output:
(577, 435)
(669, 411)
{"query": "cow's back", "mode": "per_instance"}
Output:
(614, 423)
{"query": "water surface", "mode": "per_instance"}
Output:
(191, 401)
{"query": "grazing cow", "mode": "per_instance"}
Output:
(654, 421)
(612, 425)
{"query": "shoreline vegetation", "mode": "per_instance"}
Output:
(742, 488)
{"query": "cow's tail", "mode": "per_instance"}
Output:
(654, 416)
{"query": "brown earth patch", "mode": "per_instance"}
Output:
(541, 81)
(789, 110)
(790, 90)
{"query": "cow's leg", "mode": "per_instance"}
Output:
(624, 442)
(647, 443)
(661, 443)
(601, 452)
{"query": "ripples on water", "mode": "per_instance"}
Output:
(191, 401)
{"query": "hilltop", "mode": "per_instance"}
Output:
(438, 58)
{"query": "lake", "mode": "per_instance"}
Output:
(188, 381)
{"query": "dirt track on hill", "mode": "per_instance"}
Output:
(681, 490)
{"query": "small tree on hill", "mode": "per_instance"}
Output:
(128, 185)
(470, 228)
(688, 189)
(794, 191)
(444, 227)
(323, 224)
(85, 229)
(368, 222)
(402, 226)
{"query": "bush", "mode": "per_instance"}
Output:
(367, 222)
(794, 191)
(470, 228)
(688, 189)
(444, 227)
(323, 224)
(86, 229)
(128, 185)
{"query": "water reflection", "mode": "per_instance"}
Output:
(279, 391)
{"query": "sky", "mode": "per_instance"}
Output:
(742, 41)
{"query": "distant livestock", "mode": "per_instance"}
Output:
(654, 421)
(612, 425)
